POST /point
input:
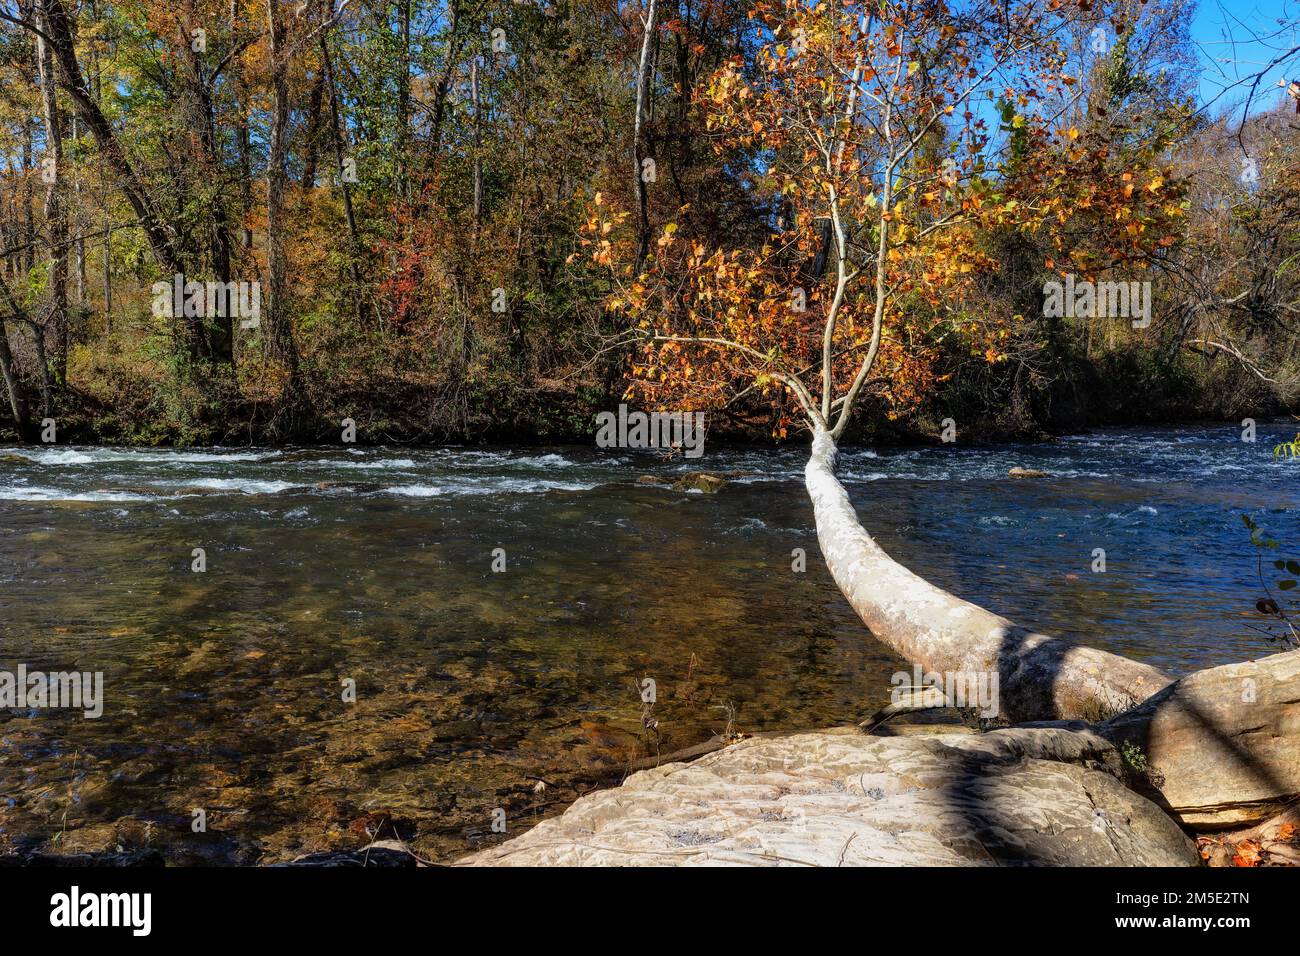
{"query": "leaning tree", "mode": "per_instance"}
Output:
(887, 142)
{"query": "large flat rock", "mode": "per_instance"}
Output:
(1022, 796)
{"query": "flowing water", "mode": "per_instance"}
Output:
(479, 689)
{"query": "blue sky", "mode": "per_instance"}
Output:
(1222, 31)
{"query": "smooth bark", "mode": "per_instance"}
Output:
(280, 345)
(1040, 678)
(1215, 748)
(644, 76)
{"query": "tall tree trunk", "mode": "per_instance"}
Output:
(311, 134)
(219, 336)
(644, 79)
(242, 144)
(13, 389)
(62, 45)
(55, 211)
(278, 327)
(19, 314)
(79, 246)
(336, 134)
(29, 233)
(478, 158)
(451, 55)
(403, 96)
(108, 275)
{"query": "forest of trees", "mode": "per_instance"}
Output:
(417, 188)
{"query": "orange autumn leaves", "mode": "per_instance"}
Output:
(1267, 845)
(859, 137)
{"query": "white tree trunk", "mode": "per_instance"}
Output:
(1039, 677)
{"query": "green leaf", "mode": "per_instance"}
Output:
(1286, 585)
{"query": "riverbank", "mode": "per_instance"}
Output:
(144, 404)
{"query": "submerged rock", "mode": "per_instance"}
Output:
(1027, 473)
(1037, 796)
(16, 460)
(355, 487)
(699, 481)
(705, 481)
(382, 853)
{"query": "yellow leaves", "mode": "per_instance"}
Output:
(1155, 185)
(912, 67)
(1073, 133)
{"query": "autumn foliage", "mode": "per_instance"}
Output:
(888, 142)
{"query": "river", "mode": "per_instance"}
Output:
(479, 689)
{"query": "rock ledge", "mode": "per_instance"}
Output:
(1023, 796)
